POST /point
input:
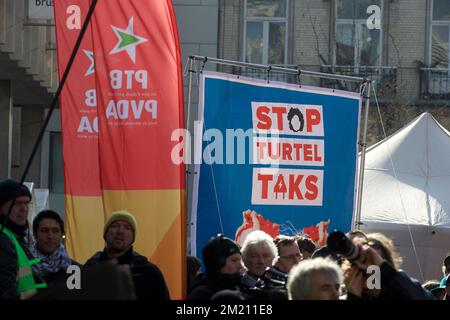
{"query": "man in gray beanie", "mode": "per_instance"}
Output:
(15, 257)
(119, 234)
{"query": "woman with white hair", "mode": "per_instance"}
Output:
(258, 253)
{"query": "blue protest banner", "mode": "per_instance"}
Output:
(276, 157)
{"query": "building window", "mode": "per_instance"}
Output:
(356, 44)
(435, 78)
(265, 31)
(440, 26)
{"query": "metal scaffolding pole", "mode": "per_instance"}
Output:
(278, 69)
(363, 145)
(189, 167)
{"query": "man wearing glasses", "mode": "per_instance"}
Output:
(288, 253)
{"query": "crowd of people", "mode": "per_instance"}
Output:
(294, 268)
(264, 268)
(34, 261)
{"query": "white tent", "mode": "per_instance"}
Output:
(406, 194)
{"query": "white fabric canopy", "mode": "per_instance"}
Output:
(407, 183)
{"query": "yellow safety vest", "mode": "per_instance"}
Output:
(26, 285)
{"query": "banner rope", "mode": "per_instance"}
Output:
(398, 186)
(219, 214)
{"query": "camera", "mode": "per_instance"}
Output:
(338, 242)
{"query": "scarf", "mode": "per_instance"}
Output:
(58, 260)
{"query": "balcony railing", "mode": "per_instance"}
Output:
(272, 75)
(435, 83)
(384, 78)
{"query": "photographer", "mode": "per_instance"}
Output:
(375, 250)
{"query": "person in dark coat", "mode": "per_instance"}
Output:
(223, 264)
(48, 232)
(378, 250)
(17, 224)
(193, 269)
(119, 234)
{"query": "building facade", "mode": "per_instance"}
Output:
(402, 45)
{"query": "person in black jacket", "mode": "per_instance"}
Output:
(48, 232)
(119, 234)
(377, 250)
(17, 224)
(193, 269)
(223, 264)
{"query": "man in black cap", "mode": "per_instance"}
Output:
(223, 264)
(16, 277)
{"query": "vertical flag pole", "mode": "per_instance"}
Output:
(363, 145)
(191, 70)
(189, 147)
(59, 89)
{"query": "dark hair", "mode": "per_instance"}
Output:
(305, 244)
(47, 214)
(326, 253)
(447, 260)
(12, 189)
(386, 247)
(217, 250)
(357, 234)
(193, 266)
(282, 240)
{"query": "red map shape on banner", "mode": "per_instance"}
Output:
(254, 221)
(318, 233)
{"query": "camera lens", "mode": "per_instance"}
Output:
(338, 242)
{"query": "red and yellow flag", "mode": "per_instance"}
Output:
(139, 100)
(83, 195)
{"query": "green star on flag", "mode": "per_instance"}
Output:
(91, 69)
(127, 40)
